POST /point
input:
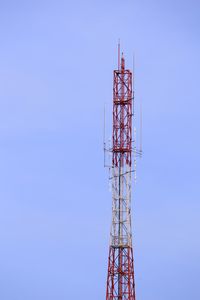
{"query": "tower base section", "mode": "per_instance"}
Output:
(120, 280)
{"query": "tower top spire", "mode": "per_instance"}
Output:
(121, 59)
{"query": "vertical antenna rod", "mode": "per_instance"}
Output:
(140, 126)
(120, 278)
(118, 54)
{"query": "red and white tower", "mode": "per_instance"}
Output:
(120, 279)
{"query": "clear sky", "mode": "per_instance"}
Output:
(56, 62)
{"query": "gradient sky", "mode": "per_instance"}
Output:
(56, 63)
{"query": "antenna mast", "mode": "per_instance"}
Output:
(120, 278)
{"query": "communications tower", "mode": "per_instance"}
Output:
(120, 278)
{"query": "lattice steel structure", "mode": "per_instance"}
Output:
(120, 278)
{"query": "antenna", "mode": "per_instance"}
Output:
(133, 82)
(106, 144)
(134, 155)
(118, 54)
(104, 133)
(138, 151)
(133, 73)
(140, 127)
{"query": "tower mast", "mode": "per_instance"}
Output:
(120, 278)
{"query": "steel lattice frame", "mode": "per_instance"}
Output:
(120, 279)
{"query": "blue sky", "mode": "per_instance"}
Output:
(56, 63)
